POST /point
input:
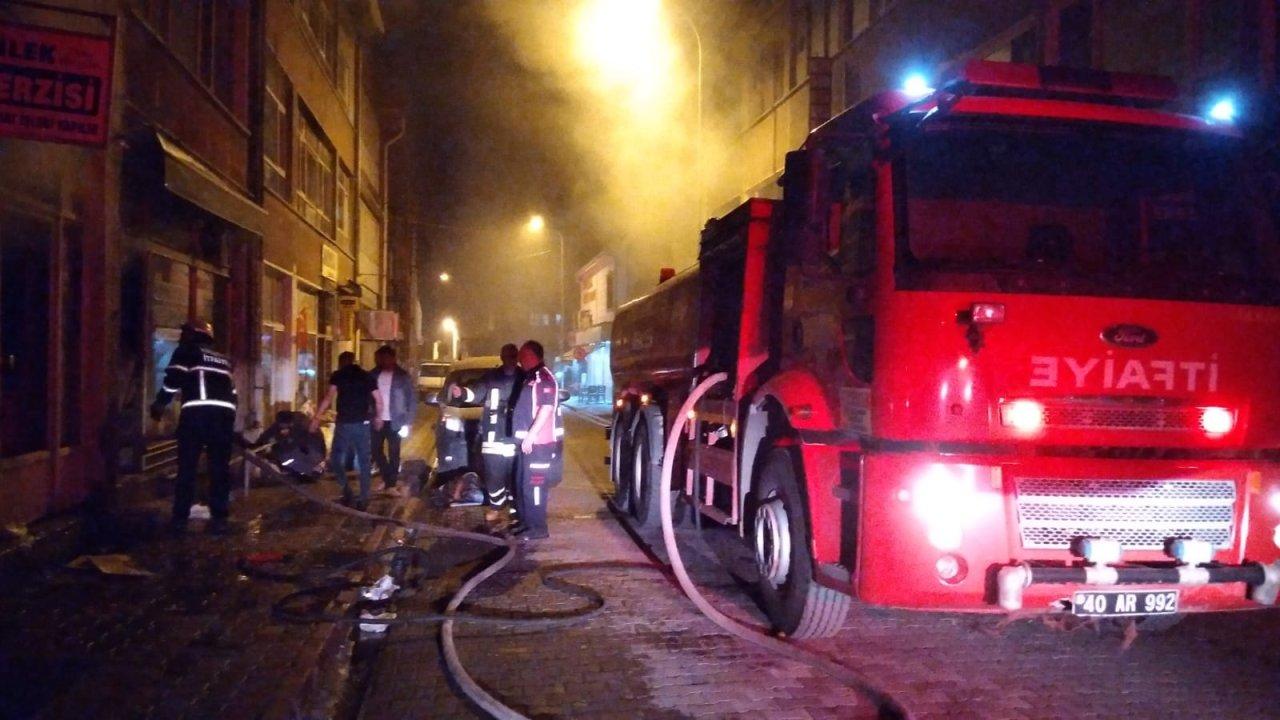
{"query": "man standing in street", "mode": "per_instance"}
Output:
(202, 376)
(354, 393)
(399, 407)
(495, 392)
(536, 424)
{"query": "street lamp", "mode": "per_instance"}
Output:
(451, 326)
(537, 225)
(445, 277)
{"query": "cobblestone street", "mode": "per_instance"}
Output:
(650, 654)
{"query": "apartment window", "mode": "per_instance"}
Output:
(276, 134)
(342, 212)
(609, 301)
(319, 22)
(846, 21)
(346, 73)
(209, 37)
(1075, 23)
(861, 16)
(852, 85)
(1024, 49)
(1223, 42)
(315, 186)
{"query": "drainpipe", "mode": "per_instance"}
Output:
(386, 210)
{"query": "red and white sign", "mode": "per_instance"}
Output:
(55, 85)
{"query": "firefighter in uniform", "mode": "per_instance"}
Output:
(203, 377)
(494, 392)
(536, 424)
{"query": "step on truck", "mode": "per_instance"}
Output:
(1006, 345)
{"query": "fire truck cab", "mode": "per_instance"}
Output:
(1003, 345)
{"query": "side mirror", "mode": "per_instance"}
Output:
(565, 395)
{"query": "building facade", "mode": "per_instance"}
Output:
(800, 62)
(585, 366)
(228, 168)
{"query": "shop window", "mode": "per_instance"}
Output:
(274, 384)
(25, 265)
(306, 337)
(177, 292)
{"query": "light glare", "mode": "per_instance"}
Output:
(1217, 420)
(916, 86)
(1224, 110)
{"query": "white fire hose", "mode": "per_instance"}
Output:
(889, 707)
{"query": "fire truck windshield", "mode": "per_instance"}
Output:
(1082, 210)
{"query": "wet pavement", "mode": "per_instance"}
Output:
(193, 640)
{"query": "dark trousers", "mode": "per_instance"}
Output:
(388, 460)
(499, 477)
(209, 430)
(533, 486)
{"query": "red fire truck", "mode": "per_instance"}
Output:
(1004, 345)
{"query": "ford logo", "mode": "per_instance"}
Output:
(1130, 336)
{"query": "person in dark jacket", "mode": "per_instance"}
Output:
(202, 376)
(399, 409)
(495, 393)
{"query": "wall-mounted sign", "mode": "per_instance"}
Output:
(55, 85)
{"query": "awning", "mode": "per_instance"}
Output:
(192, 180)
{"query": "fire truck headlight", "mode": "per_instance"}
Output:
(1275, 536)
(1025, 416)
(1217, 420)
(943, 500)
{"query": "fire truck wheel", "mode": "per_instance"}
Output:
(644, 476)
(796, 604)
(620, 462)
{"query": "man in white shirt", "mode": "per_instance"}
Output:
(397, 411)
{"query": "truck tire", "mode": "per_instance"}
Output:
(795, 603)
(620, 462)
(645, 466)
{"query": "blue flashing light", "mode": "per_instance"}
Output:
(1223, 111)
(916, 86)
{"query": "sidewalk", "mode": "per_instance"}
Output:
(194, 640)
(648, 654)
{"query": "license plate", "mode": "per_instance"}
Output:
(1120, 603)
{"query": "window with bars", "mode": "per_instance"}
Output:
(276, 135)
(315, 181)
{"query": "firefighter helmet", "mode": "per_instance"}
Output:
(198, 330)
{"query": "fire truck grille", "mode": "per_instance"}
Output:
(1121, 417)
(1139, 514)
